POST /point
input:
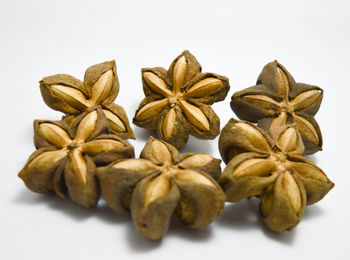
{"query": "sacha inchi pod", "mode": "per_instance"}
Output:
(177, 101)
(99, 89)
(161, 183)
(277, 99)
(270, 167)
(66, 157)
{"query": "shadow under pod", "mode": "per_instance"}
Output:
(236, 216)
(244, 215)
(179, 229)
(142, 244)
(68, 207)
(241, 216)
(313, 211)
(285, 237)
(136, 242)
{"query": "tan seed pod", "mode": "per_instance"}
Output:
(278, 100)
(177, 101)
(66, 158)
(283, 205)
(98, 90)
(162, 183)
(284, 181)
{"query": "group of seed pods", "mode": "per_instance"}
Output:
(85, 154)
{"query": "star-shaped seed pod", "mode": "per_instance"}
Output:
(69, 95)
(160, 183)
(178, 101)
(65, 160)
(271, 168)
(277, 99)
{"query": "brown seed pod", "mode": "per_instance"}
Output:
(160, 183)
(100, 87)
(178, 101)
(66, 158)
(271, 168)
(278, 100)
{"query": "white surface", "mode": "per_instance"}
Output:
(232, 38)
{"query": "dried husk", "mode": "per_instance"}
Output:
(119, 122)
(196, 201)
(276, 92)
(315, 181)
(56, 103)
(180, 131)
(233, 141)
(93, 74)
(244, 187)
(153, 220)
(315, 106)
(252, 109)
(66, 158)
(148, 89)
(201, 162)
(312, 139)
(117, 185)
(100, 87)
(161, 183)
(44, 184)
(86, 194)
(210, 96)
(214, 122)
(277, 208)
(284, 180)
(159, 151)
(177, 101)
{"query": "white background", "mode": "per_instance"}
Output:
(231, 38)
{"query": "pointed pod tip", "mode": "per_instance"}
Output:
(21, 175)
(232, 120)
(113, 63)
(151, 138)
(273, 63)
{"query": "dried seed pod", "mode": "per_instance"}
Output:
(271, 168)
(160, 183)
(66, 158)
(283, 205)
(278, 100)
(178, 101)
(100, 88)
